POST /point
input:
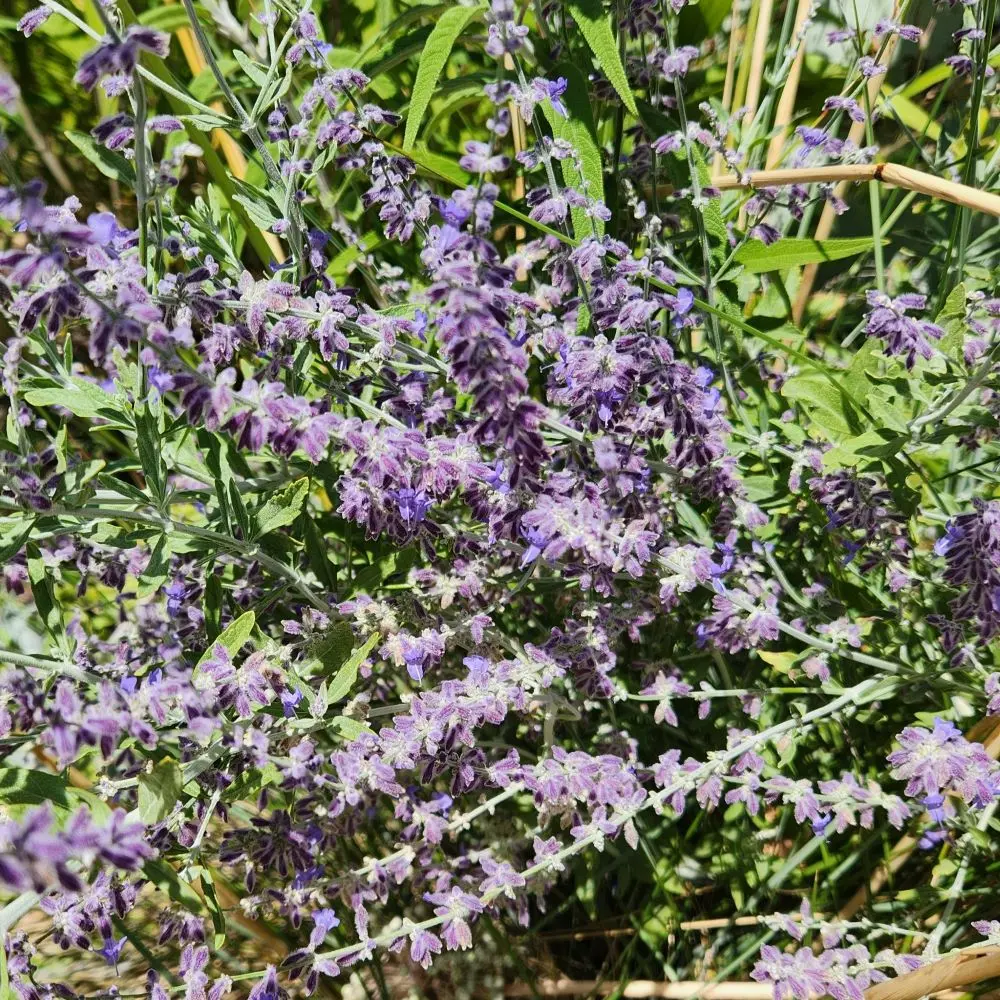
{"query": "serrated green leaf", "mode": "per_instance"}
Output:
(440, 42)
(595, 26)
(159, 790)
(13, 538)
(340, 686)
(22, 786)
(757, 257)
(147, 433)
(282, 508)
(43, 593)
(232, 637)
(256, 72)
(80, 397)
(826, 404)
(110, 164)
(350, 729)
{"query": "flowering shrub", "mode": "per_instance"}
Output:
(449, 498)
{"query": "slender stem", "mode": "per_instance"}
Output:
(167, 88)
(249, 126)
(250, 552)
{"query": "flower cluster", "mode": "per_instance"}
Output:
(408, 495)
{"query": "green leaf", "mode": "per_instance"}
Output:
(166, 880)
(758, 257)
(345, 677)
(256, 72)
(207, 122)
(80, 397)
(701, 20)
(952, 319)
(826, 404)
(578, 130)
(156, 571)
(22, 786)
(165, 18)
(159, 790)
(282, 508)
(432, 61)
(595, 26)
(147, 432)
(350, 729)
(43, 592)
(12, 539)
(110, 164)
(232, 637)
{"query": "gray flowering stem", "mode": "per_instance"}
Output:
(250, 552)
(954, 401)
(249, 127)
(855, 696)
(146, 74)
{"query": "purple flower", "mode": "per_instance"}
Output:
(937, 760)
(904, 335)
(119, 56)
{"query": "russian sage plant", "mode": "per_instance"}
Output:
(497, 478)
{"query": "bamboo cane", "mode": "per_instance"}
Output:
(786, 103)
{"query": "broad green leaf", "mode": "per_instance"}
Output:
(826, 404)
(12, 539)
(440, 166)
(782, 662)
(155, 574)
(43, 593)
(282, 508)
(952, 319)
(22, 786)
(166, 880)
(757, 257)
(159, 790)
(334, 648)
(165, 17)
(80, 397)
(701, 20)
(351, 729)
(345, 677)
(254, 70)
(595, 26)
(110, 164)
(578, 130)
(232, 637)
(432, 61)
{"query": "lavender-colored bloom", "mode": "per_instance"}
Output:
(33, 20)
(904, 335)
(119, 56)
(847, 104)
(938, 760)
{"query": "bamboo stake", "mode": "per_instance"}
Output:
(962, 969)
(786, 103)
(735, 39)
(888, 173)
(826, 219)
(757, 58)
(740, 990)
